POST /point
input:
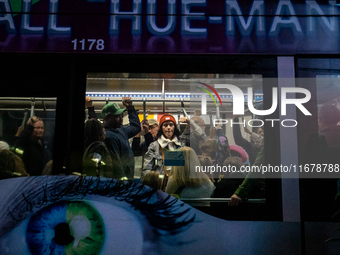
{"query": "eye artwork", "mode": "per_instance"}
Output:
(90, 215)
(66, 227)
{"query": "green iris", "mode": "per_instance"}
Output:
(87, 228)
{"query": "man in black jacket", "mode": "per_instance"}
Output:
(117, 136)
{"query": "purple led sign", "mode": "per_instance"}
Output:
(169, 26)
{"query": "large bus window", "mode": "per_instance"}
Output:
(201, 109)
(319, 140)
(27, 136)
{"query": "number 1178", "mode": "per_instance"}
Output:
(88, 44)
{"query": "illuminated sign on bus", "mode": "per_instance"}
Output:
(172, 26)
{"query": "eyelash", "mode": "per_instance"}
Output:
(162, 214)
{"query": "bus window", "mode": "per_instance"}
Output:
(222, 144)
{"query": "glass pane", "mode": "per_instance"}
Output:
(319, 137)
(180, 95)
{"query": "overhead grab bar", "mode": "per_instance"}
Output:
(24, 109)
(170, 111)
(29, 98)
(20, 118)
(222, 200)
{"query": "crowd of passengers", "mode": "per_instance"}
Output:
(111, 141)
(109, 153)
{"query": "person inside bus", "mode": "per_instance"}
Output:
(238, 151)
(217, 152)
(231, 180)
(35, 152)
(167, 139)
(97, 160)
(11, 165)
(149, 131)
(4, 145)
(252, 147)
(194, 133)
(206, 162)
(188, 182)
(253, 179)
(153, 180)
(90, 108)
(209, 149)
(256, 138)
(117, 136)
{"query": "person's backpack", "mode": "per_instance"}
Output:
(97, 160)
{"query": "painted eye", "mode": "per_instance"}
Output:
(66, 227)
(76, 227)
(83, 215)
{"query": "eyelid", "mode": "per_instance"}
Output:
(166, 214)
(16, 241)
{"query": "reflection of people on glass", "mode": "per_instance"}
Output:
(117, 136)
(35, 153)
(88, 215)
(322, 148)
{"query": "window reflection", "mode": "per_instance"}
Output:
(319, 137)
(323, 147)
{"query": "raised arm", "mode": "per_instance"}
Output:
(239, 139)
(134, 127)
(243, 190)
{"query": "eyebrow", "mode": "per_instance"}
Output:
(168, 215)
